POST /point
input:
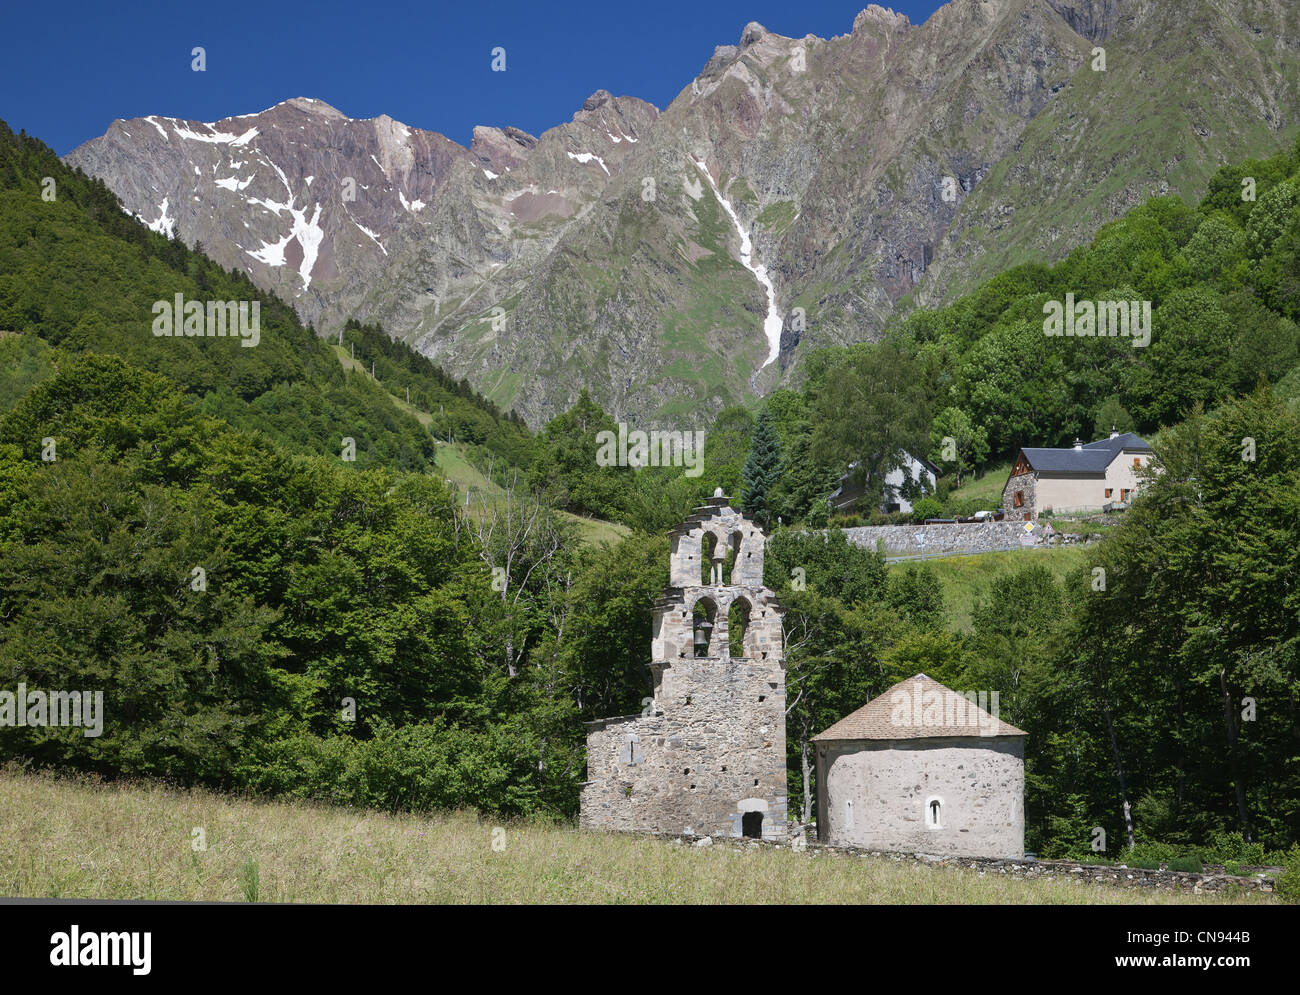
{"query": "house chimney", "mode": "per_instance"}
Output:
(1113, 434)
(1078, 446)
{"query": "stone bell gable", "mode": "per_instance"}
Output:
(707, 754)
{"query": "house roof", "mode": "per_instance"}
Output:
(1090, 459)
(917, 708)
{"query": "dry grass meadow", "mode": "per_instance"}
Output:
(63, 838)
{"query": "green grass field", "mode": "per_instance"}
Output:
(963, 578)
(76, 839)
(456, 469)
(467, 477)
(987, 487)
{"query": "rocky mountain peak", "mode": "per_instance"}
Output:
(520, 137)
(597, 99)
(723, 56)
(315, 107)
(501, 150)
(875, 16)
(754, 32)
(1094, 19)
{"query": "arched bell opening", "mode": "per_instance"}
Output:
(738, 629)
(731, 567)
(708, 545)
(705, 627)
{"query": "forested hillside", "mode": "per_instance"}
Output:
(217, 567)
(1223, 279)
(83, 276)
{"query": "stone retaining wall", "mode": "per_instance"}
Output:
(971, 537)
(1118, 877)
(1210, 880)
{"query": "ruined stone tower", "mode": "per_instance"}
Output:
(707, 754)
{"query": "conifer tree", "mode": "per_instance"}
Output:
(762, 470)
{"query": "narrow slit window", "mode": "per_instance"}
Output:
(934, 813)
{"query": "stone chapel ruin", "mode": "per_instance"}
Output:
(706, 755)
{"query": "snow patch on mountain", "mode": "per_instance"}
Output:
(309, 235)
(217, 137)
(271, 253)
(232, 183)
(413, 206)
(164, 225)
(586, 157)
(368, 232)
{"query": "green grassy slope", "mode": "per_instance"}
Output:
(964, 578)
(79, 840)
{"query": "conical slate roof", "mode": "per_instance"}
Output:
(917, 708)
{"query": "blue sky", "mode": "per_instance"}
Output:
(70, 69)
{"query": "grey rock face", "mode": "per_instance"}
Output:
(896, 165)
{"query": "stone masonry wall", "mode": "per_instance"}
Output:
(1028, 483)
(713, 750)
(876, 794)
(707, 755)
(973, 537)
(1209, 881)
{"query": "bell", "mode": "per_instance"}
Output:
(702, 637)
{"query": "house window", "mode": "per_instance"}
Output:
(934, 812)
(1137, 461)
(1109, 491)
(1020, 499)
(1123, 495)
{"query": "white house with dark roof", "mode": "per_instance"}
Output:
(923, 769)
(1082, 478)
(914, 478)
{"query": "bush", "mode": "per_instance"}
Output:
(1156, 812)
(414, 768)
(889, 518)
(1189, 864)
(927, 507)
(1151, 850)
(1233, 846)
(1287, 888)
(1232, 867)
(966, 507)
